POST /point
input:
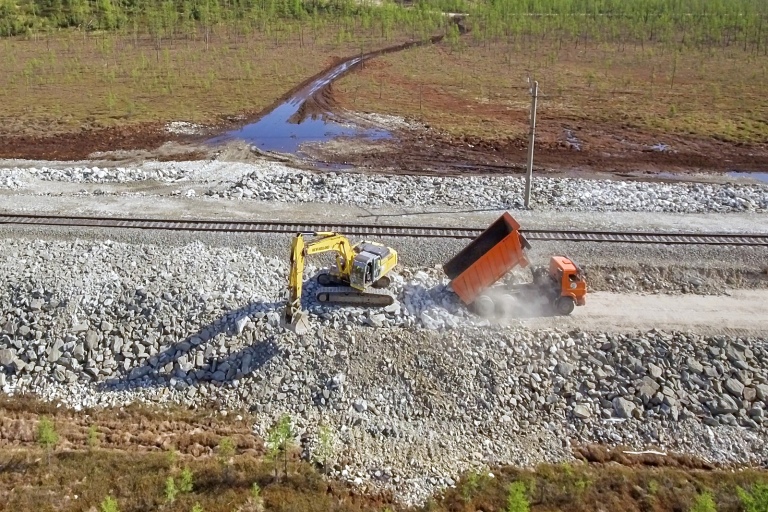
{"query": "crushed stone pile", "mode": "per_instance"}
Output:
(497, 192)
(414, 395)
(276, 182)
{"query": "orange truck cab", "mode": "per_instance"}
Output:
(570, 283)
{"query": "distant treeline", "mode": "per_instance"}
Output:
(679, 22)
(26, 16)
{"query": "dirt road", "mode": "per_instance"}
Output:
(742, 313)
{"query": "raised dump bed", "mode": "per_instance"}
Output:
(496, 251)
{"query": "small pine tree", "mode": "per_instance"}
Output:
(170, 490)
(755, 501)
(255, 503)
(185, 485)
(47, 436)
(274, 442)
(704, 503)
(171, 457)
(226, 451)
(516, 499)
(93, 437)
(197, 508)
(286, 434)
(324, 450)
(279, 440)
(109, 505)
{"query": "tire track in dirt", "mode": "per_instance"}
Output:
(311, 105)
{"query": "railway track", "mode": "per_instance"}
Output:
(733, 239)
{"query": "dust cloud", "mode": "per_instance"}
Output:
(511, 304)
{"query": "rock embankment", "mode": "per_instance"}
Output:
(414, 394)
(497, 192)
(271, 181)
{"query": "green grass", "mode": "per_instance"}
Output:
(137, 481)
(481, 89)
(590, 487)
(70, 82)
(137, 455)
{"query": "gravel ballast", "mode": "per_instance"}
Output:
(414, 393)
(271, 181)
(498, 192)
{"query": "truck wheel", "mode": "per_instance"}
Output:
(564, 305)
(484, 306)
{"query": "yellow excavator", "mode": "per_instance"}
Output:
(360, 274)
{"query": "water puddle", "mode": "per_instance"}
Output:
(302, 118)
(307, 115)
(759, 176)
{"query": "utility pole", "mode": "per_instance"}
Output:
(532, 137)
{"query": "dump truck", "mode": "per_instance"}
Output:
(496, 251)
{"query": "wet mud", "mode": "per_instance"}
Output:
(307, 121)
(308, 112)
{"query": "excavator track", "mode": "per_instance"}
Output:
(327, 279)
(348, 296)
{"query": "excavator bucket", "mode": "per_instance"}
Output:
(296, 321)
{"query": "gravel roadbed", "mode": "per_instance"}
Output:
(417, 392)
(271, 181)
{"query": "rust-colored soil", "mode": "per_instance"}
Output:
(599, 454)
(136, 449)
(604, 149)
(79, 145)
(604, 108)
(128, 429)
(129, 453)
(622, 118)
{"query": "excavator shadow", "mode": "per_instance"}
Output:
(205, 356)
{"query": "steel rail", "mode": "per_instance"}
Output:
(233, 226)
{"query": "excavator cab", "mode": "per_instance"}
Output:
(362, 273)
(368, 267)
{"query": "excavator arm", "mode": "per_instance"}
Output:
(328, 241)
(323, 241)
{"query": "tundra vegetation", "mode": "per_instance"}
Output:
(654, 65)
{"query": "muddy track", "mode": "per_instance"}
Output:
(77, 146)
(308, 112)
(426, 153)
(319, 100)
(149, 136)
(606, 150)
